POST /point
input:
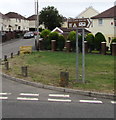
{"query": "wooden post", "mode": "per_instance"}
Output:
(6, 65)
(18, 53)
(53, 45)
(103, 48)
(5, 57)
(24, 71)
(86, 47)
(114, 49)
(11, 55)
(68, 46)
(64, 78)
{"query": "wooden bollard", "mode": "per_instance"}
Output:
(53, 45)
(24, 71)
(68, 46)
(11, 55)
(6, 65)
(5, 57)
(41, 44)
(18, 53)
(114, 49)
(86, 47)
(64, 79)
(103, 48)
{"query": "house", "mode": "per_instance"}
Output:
(105, 23)
(88, 13)
(17, 22)
(33, 23)
(4, 22)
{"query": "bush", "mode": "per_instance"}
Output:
(72, 38)
(99, 37)
(90, 41)
(45, 35)
(61, 42)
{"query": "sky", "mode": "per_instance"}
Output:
(67, 8)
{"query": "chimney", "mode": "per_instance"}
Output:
(115, 3)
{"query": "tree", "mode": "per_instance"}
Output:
(90, 41)
(50, 17)
(99, 37)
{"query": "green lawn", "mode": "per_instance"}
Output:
(45, 67)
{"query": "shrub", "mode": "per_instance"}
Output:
(90, 41)
(99, 37)
(72, 38)
(61, 42)
(45, 35)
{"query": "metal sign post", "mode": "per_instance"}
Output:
(80, 23)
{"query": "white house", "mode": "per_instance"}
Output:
(17, 22)
(105, 23)
(4, 22)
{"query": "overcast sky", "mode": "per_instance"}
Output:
(68, 8)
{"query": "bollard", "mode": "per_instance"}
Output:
(103, 48)
(86, 47)
(41, 44)
(24, 71)
(53, 45)
(18, 53)
(6, 65)
(11, 55)
(5, 57)
(114, 49)
(68, 46)
(64, 78)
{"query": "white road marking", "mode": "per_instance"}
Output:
(24, 98)
(58, 100)
(28, 94)
(3, 98)
(58, 95)
(5, 93)
(113, 102)
(90, 101)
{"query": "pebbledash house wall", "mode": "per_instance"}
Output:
(107, 27)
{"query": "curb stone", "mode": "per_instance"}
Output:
(61, 89)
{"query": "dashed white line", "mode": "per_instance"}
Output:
(59, 100)
(28, 94)
(5, 93)
(3, 98)
(24, 98)
(113, 102)
(91, 101)
(58, 95)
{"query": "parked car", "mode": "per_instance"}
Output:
(28, 35)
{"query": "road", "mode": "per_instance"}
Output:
(23, 101)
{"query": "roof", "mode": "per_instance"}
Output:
(109, 13)
(3, 16)
(14, 15)
(88, 10)
(33, 17)
(67, 30)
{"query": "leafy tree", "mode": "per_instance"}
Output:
(50, 17)
(99, 37)
(53, 36)
(90, 41)
(45, 33)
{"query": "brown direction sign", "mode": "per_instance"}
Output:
(79, 23)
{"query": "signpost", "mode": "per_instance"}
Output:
(81, 23)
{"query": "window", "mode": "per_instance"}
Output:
(100, 21)
(114, 21)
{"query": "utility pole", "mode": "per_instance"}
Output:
(37, 23)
